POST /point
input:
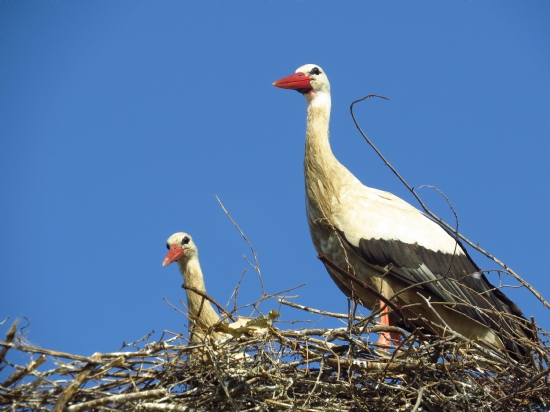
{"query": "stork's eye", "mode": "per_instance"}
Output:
(315, 70)
(167, 246)
(185, 240)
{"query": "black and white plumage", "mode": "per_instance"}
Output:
(389, 244)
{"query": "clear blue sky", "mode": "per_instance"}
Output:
(121, 120)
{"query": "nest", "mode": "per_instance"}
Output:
(265, 368)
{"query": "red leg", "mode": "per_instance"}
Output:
(386, 338)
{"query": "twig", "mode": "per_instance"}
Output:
(46, 352)
(9, 338)
(18, 375)
(154, 393)
(73, 387)
(205, 296)
(436, 218)
(163, 407)
(317, 311)
(220, 380)
(256, 266)
(418, 399)
(354, 279)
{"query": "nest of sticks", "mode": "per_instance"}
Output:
(261, 367)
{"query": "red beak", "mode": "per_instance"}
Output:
(174, 254)
(296, 81)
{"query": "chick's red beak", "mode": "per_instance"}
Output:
(174, 254)
(296, 81)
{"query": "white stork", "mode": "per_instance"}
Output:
(202, 316)
(389, 245)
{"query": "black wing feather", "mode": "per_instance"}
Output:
(459, 279)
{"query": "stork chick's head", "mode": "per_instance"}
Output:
(180, 246)
(309, 80)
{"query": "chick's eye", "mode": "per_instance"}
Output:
(315, 70)
(185, 240)
(167, 246)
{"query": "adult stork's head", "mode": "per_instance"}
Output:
(180, 246)
(310, 80)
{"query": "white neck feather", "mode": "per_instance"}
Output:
(202, 315)
(323, 171)
(317, 132)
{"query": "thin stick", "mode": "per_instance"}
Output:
(205, 296)
(73, 387)
(418, 399)
(349, 276)
(436, 218)
(256, 266)
(20, 374)
(9, 338)
(48, 352)
(220, 380)
(317, 311)
(90, 405)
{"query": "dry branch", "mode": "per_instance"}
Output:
(436, 218)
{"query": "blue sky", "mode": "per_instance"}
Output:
(121, 120)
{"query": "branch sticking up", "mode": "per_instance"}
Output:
(256, 265)
(436, 218)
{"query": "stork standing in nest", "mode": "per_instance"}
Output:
(202, 315)
(391, 246)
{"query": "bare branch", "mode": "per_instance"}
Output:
(436, 218)
(256, 266)
(205, 296)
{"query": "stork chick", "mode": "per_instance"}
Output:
(202, 316)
